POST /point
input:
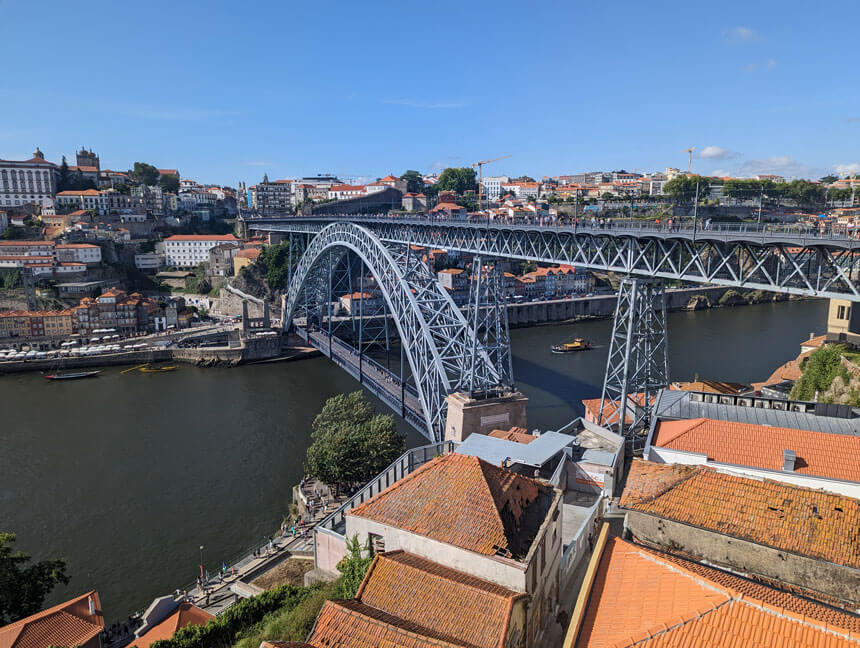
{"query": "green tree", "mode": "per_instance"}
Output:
(819, 370)
(607, 196)
(274, 262)
(353, 567)
(169, 182)
(64, 175)
(459, 179)
(145, 173)
(351, 444)
(682, 188)
(524, 178)
(414, 181)
(828, 179)
(23, 586)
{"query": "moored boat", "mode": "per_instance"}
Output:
(579, 344)
(73, 375)
(161, 369)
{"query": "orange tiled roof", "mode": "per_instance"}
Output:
(350, 624)
(185, 614)
(836, 456)
(790, 518)
(445, 602)
(712, 387)
(640, 597)
(592, 407)
(491, 515)
(788, 371)
(67, 624)
(518, 434)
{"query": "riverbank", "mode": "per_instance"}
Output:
(559, 311)
(264, 350)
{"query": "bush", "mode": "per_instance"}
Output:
(224, 630)
(819, 370)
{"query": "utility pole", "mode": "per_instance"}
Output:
(696, 210)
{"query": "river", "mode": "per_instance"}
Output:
(126, 476)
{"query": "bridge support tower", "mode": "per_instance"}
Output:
(637, 366)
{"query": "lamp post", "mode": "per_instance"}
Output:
(201, 563)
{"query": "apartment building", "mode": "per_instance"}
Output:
(190, 250)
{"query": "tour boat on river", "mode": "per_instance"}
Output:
(579, 344)
(73, 375)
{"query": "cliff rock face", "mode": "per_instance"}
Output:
(698, 302)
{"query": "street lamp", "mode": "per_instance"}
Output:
(201, 563)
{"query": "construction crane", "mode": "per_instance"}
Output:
(690, 162)
(480, 166)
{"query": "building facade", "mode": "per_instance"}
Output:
(26, 182)
(188, 251)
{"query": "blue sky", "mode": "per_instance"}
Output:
(229, 90)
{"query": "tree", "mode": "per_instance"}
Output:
(829, 179)
(414, 181)
(353, 567)
(607, 196)
(524, 178)
(274, 261)
(169, 182)
(145, 173)
(23, 587)
(459, 179)
(682, 188)
(351, 444)
(64, 175)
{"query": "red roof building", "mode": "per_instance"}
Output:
(406, 600)
(185, 614)
(647, 598)
(74, 623)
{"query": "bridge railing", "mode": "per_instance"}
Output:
(408, 462)
(588, 224)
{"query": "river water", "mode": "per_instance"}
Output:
(126, 476)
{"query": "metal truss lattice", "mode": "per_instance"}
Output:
(785, 263)
(488, 317)
(435, 337)
(637, 366)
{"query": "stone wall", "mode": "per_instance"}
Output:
(817, 575)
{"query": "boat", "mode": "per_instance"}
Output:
(579, 344)
(161, 369)
(73, 375)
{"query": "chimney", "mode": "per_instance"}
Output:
(91, 601)
(788, 459)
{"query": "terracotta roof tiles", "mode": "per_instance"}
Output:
(644, 598)
(465, 609)
(67, 624)
(790, 518)
(349, 624)
(185, 614)
(490, 519)
(836, 456)
(516, 434)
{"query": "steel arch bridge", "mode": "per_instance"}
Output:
(445, 354)
(779, 261)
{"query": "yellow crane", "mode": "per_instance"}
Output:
(690, 162)
(480, 166)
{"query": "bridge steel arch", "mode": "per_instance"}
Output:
(441, 348)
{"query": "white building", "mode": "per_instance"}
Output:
(342, 192)
(88, 199)
(148, 261)
(190, 250)
(4, 221)
(493, 186)
(32, 181)
(79, 253)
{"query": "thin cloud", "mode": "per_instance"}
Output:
(847, 169)
(424, 104)
(783, 165)
(717, 153)
(852, 120)
(721, 173)
(751, 67)
(739, 34)
(771, 64)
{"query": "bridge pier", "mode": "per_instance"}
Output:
(637, 365)
(469, 414)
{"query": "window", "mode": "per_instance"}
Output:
(843, 312)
